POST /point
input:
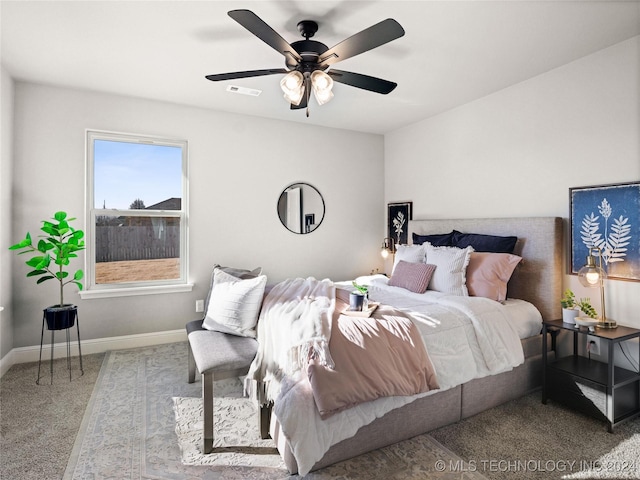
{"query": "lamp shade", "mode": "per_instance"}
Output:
(322, 85)
(387, 247)
(592, 275)
(292, 84)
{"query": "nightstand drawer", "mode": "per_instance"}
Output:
(589, 397)
(578, 393)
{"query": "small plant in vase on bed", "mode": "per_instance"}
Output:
(358, 299)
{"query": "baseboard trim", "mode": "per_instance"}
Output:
(96, 345)
(6, 362)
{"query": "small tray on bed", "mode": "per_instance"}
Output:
(362, 313)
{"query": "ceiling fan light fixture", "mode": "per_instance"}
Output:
(292, 85)
(322, 85)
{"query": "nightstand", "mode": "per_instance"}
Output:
(597, 388)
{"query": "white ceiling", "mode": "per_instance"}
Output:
(453, 52)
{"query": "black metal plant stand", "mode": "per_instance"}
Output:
(68, 335)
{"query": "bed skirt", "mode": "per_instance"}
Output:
(418, 417)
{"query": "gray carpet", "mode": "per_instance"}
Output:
(526, 439)
(38, 423)
(132, 431)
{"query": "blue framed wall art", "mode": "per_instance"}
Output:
(607, 217)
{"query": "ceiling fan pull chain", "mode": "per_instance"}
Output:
(307, 90)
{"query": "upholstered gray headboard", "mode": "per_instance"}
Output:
(538, 279)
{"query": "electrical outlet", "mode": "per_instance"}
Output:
(199, 306)
(593, 344)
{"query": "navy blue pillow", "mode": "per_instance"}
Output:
(437, 240)
(484, 243)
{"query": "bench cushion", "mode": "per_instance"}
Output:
(219, 352)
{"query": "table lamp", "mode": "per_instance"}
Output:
(593, 276)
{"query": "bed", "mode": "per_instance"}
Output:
(536, 282)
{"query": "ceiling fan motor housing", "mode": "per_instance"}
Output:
(310, 51)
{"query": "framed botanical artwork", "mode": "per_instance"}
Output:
(607, 218)
(398, 216)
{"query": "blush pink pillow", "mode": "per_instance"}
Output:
(489, 273)
(412, 276)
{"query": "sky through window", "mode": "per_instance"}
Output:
(125, 171)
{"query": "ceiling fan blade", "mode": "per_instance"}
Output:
(264, 32)
(250, 73)
(367, 39)
(365, 82)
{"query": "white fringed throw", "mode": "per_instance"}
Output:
(294, 327)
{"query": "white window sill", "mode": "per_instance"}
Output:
(134, 291)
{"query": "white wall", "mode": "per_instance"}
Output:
(238, 167)
(6, 162)
(517, 152)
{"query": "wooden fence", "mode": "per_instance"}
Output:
(122, 243)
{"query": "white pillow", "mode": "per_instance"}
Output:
(409, 253)
(451, 268)
(235, 304)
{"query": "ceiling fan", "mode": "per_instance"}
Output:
(308, 62)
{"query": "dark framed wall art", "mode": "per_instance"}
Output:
(607, 217)
(398, 216)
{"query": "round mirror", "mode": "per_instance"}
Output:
(301, 208)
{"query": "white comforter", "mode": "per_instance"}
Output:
(465, 337)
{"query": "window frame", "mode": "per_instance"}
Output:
(96, 290)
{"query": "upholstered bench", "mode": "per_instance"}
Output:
(217, 356)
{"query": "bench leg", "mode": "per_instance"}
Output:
(207, 412)
(264, 419)
(192, 364)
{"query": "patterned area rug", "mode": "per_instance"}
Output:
(144, 422)
(236, 440)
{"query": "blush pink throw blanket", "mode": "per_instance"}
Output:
(379, 356)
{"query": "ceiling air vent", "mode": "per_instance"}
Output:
(244, 91)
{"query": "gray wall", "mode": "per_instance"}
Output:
(238, 167)
(6, 163)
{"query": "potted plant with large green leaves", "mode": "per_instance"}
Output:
(50, 260)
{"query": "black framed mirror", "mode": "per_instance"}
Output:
(301, 208)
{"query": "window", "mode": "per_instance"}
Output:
(137, 215)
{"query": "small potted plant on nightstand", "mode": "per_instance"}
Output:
(52, 254)
(585, 306)
(569, 307)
